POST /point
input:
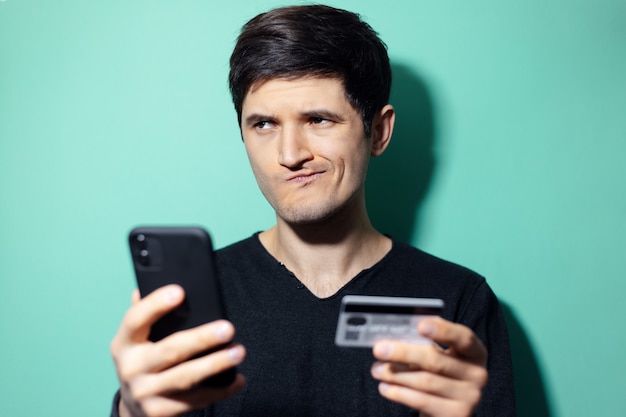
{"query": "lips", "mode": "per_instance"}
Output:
(304, 178)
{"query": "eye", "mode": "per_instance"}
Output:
(319, 121)
(263, 125)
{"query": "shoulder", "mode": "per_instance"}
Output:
(234, 250)
(248, 250)
(405, 256)
(244, 257)
(421, 274)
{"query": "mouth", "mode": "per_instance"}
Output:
(304, 179)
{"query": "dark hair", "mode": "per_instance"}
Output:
(314, 40)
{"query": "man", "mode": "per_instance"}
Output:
(310, 86)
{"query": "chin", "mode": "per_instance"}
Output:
(306, 215)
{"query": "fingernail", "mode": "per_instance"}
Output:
(236, 354)
(426, 328)
(377, 370)
(383, 350)
(172, 295)
(382, 387)
(223, 332)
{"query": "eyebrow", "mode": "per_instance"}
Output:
(257, 117)
(324, 114)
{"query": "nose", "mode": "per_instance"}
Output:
(293, 148)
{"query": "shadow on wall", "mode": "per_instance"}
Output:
(399, 179)
(397, 185)
(530, 391)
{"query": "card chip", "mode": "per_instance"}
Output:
(352, 335)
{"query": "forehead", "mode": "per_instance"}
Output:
(298, 91)
(297, 78)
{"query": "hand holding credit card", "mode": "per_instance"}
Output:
(363, 320)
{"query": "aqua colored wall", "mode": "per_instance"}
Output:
(508, 158)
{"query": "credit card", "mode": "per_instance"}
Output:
(365, 319)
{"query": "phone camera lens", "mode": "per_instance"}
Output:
(144, 257)
(141, 238)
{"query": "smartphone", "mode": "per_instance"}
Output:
(183, 256)
(363, 320)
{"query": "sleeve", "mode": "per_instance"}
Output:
(484, 316)
(116, 406)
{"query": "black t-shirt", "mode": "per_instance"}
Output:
(293, 367)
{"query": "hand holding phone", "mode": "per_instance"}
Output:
(158, 379)
(170, 375)
(183, 256)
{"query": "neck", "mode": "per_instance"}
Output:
(326, 255)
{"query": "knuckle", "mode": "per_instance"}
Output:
(171, 353)
(435, 364)
(152, 408)
(185, 384)
(481, 377)
(425, 379)
(132, 320)
(125, 373)
(138, 390)
(466, 338)
(128, 366)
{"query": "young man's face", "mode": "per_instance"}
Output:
(307, 147)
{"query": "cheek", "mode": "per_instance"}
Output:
(254, 158)
(357, 157)
(259, 168)
(343, 147)
(258, 171)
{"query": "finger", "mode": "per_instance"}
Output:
(135, 326)
(186, 376)
(176, 404)
(461, 340)
(427, 382)
(186, 344)
(409, 356)
(425, 402)
(172, 350)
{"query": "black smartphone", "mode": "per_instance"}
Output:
(183, 256)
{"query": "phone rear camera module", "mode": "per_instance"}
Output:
(147, 251)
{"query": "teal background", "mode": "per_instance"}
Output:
(508, 158)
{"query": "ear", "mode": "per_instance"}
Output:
(382, 128)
